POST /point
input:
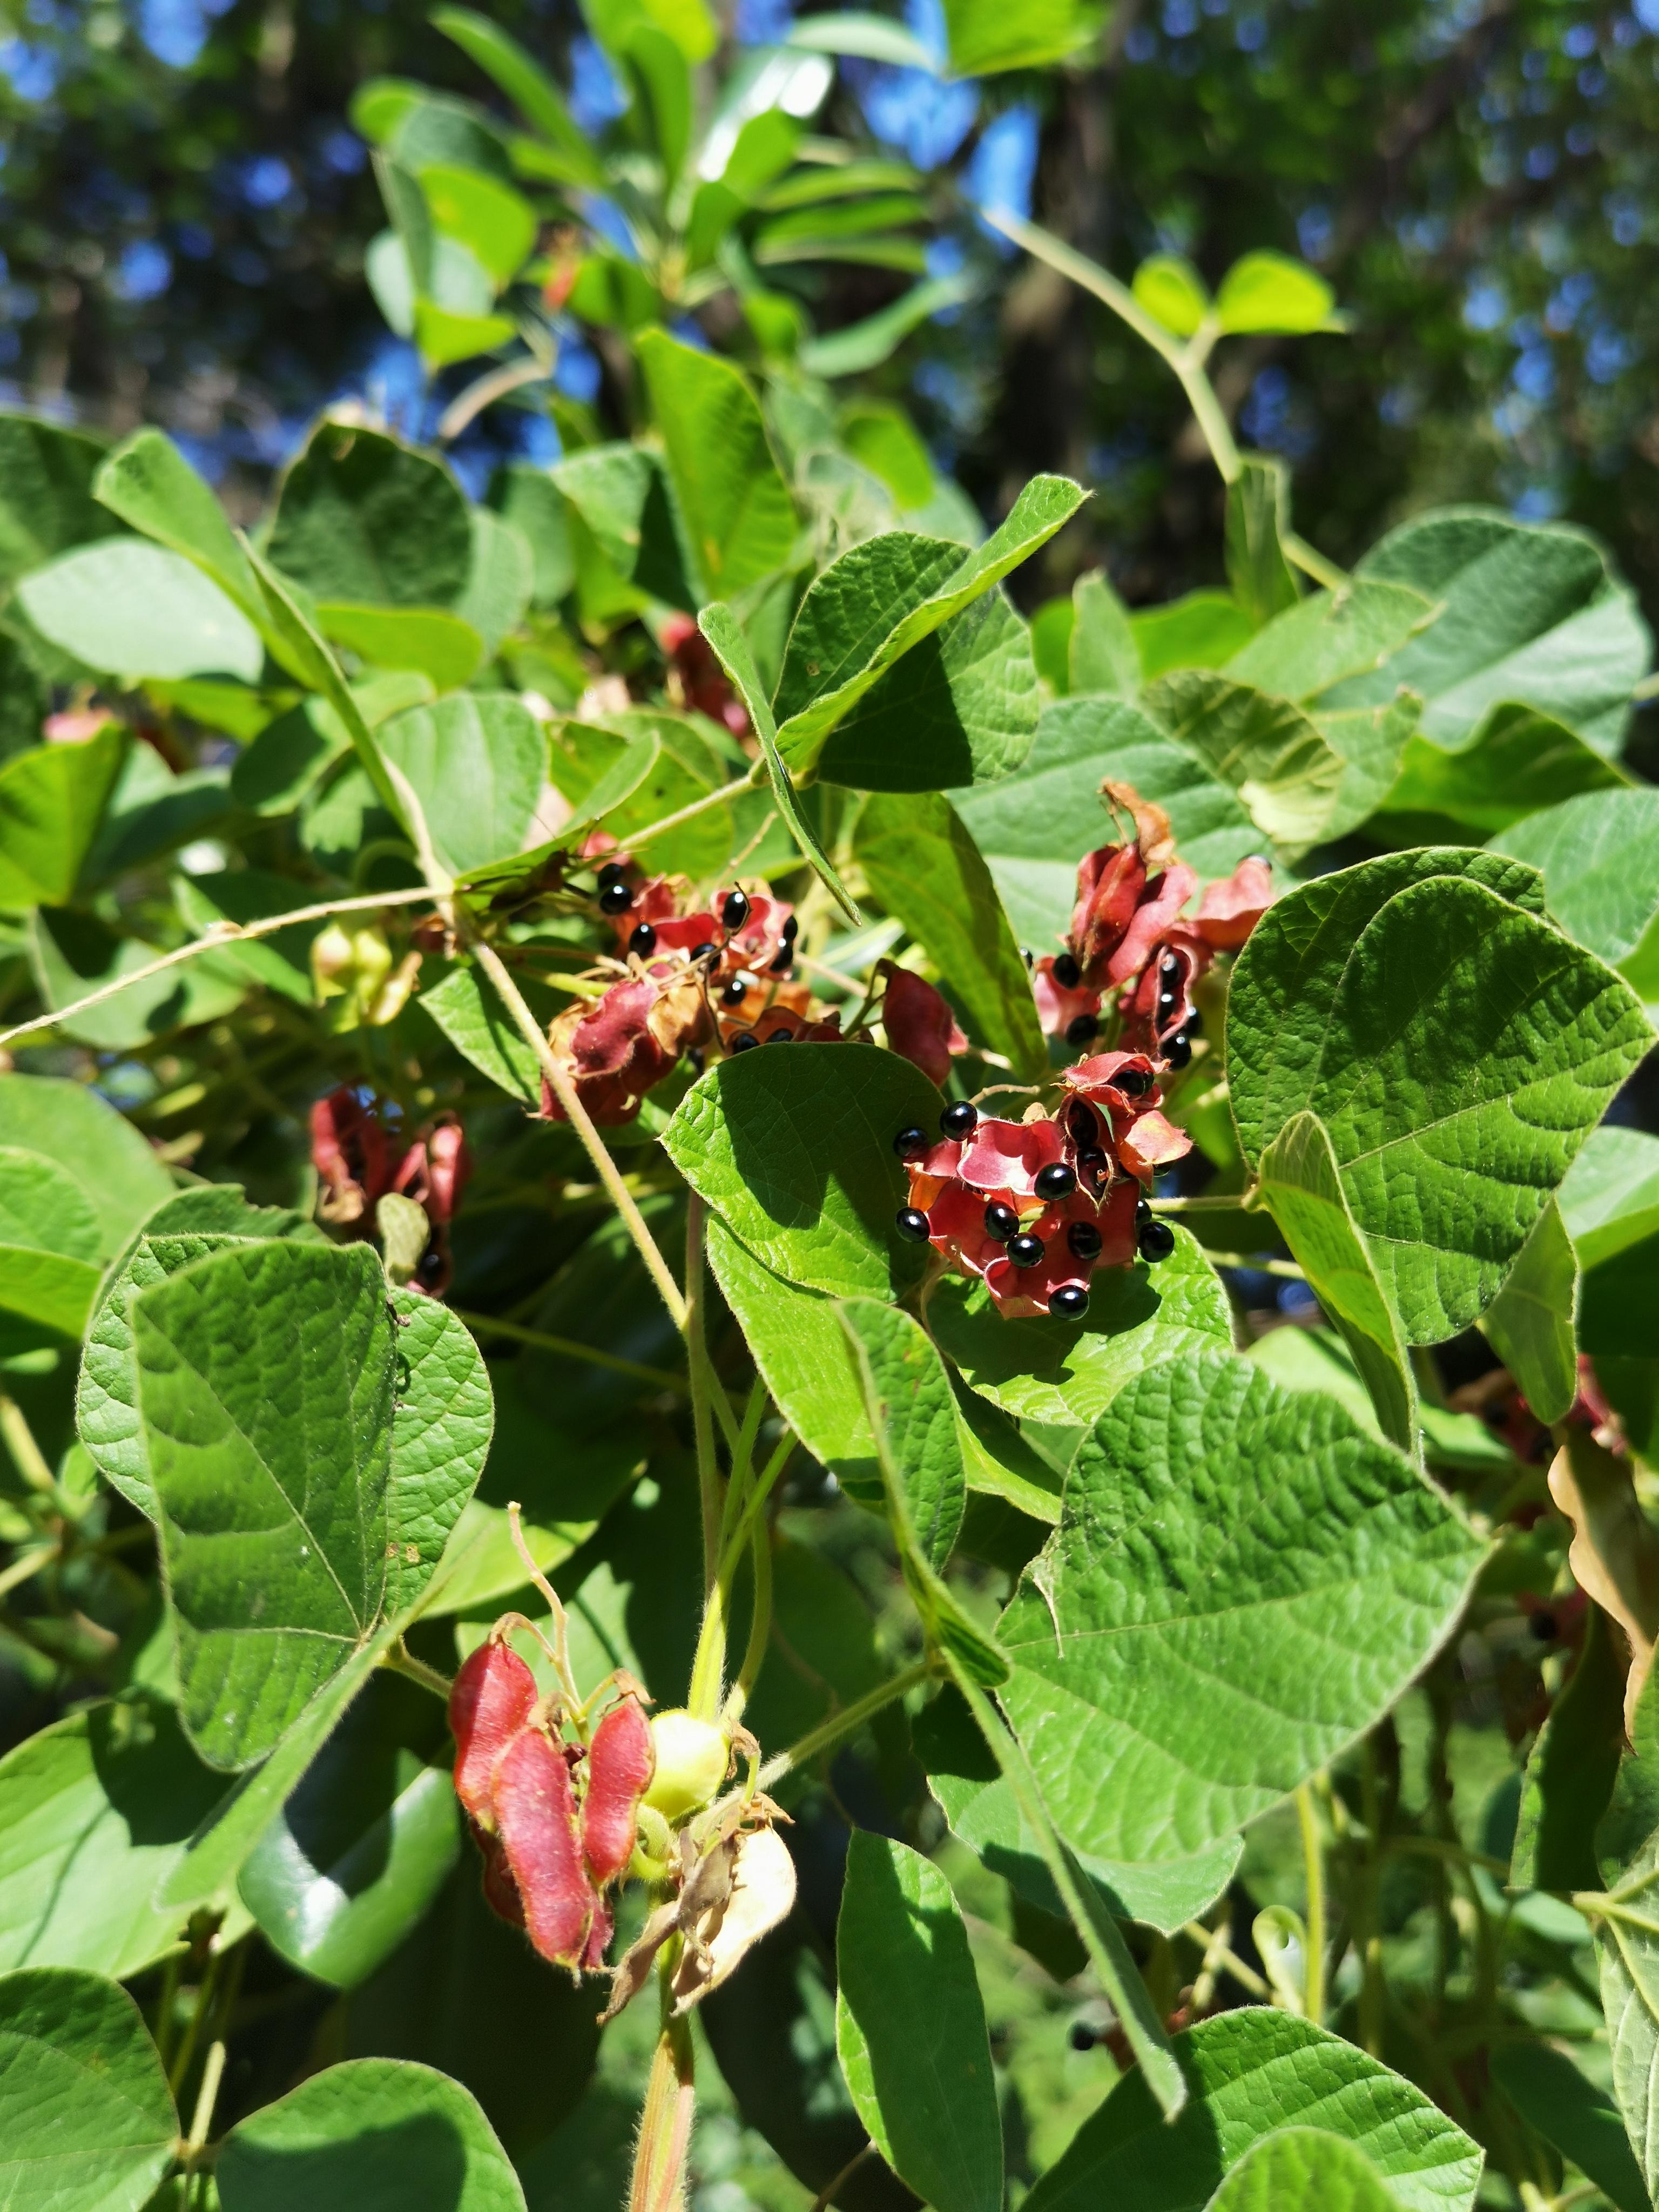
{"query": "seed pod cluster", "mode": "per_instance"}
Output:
(554, 1820)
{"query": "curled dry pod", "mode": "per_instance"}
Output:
(490, 1704)
(621, 1761)
(536, 1815)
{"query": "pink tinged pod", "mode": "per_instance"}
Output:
(598, 1937)
(490, 1704)
(621, 1761)
(536, 1815)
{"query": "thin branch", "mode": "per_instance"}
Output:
(1313, 1861)
(635, 838)
(581, 1121)
(400, 1659)
(846, 1722)
(570, 1348)
(484, 391)
(221, 936)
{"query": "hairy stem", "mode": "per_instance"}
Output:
(756, 777)
(581, 1122)
(1313, 1861)
(760, 1623)
(708, 1474)
(658, 2184)
(400, 1659)
(846, 1722)
(568, 1347)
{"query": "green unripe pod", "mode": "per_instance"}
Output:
(692, 1756)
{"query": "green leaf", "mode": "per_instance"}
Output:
(910, 2028)
(537, 99)
(858, 347)
(1101, 654)
(720, 626)
(364, 518)
(795, 1151)
(1627, 1953)
(86, 2121)
(1533, 613)
(50, 1243)
(439, 645)
(185, 1228)
(1552, 2096)
(1204, 629)
(147, 482)
(490, 219)
(1301, 1185)
(360, 1849)
(1610, 1205)
(445, 336)
(441, 1423)
(528, 498)
(961, 707)
(922, 866)
(1258, 522)
(467, 1011)
(739, 519)
(373, 2131)
(1266, 749)
(1172, 293)
(1572, 1769)
(1250, 2073)
(1068, 1372)
(73, 1124)
(979, 1804)
(1529, 1323)
(500, 579)
(1310, 645)
(1271, 292)
(1033, 827)
(94, 1813)
(476, 764)
(869, 608)
(130, 609)
(265, 1387)
(1165, 1637)
(983, 37)
(1600, 856)
(1519, 762)
(908, 1404)
(72, 952)
(283, 959)
(1457, 1050)
(1303, 2165)
(47, 504)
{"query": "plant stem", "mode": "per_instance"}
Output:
(759, 1492)
(30, 1564)
(752, 781)
(1371, 1990)
(1288, 1268)
(760, 1623)
(485, 390)
(708, 1474)
(19, 1439)
(1313, 1861)
(845, 1723)
(581, 1121)
(826, 2196)
(1218, 1951)
(222, 937)
(658, 2184)
(570, 1348)
(400, 1659)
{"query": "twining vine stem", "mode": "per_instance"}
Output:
(830, 1732)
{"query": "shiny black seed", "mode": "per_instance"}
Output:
(734, 912)
(1084, 1031)
(911, 1223)
(1544, 1627)
(1069, 1303)
(1025, 1251)
(1093, 1160)
(1000, 1221)
(784, 962)
(694, 1059)
(643, 941)
(700, 951)
(1081, 1122)
(1084, 1238)
(1066, 973)
(1028, 955)
(1134, 1082)
(1167, 1003)
(1177, 1049)
(1170, 967)
(790, 931)
(910, 1144)
(735, 993)
(1143, 1213)
(960, 1120)
(744, 1041)
(1055, 1181)
(1082, 2037)
(612, 872)
(1156, 1242)
(782, 1036)
(616, 898)
(1195, 1024)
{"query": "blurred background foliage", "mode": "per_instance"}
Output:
(184, 207)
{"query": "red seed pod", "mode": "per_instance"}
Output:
(535, 1814)
(493, 1699)
(598, 1937)
(501, 1891)
(621, 1761)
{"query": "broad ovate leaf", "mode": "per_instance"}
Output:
(1303, 2165)
(87, 2120)
(76, 1125)
(1598, 855)
(1457, 1050)
(1177, 1669)
(1250, 2073)
(52, 799)
(130, 609)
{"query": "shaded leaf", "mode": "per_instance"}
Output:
(73, 1124)
(961, 707)
(739, 517)
(1529, 1323)
(1303, 2165)
(1600, 856)
(1567, 2110)
(1266, 749)
(86, 2121)
(361, 517)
